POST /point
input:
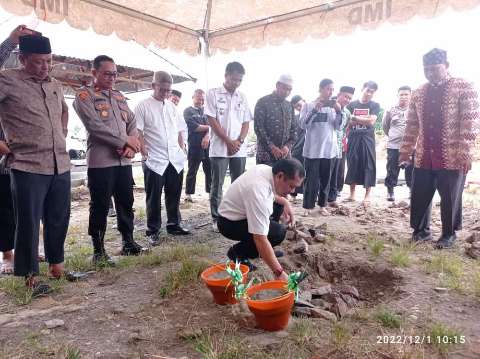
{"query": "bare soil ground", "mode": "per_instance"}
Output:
(155, 306)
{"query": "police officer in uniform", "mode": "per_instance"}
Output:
(112, 141)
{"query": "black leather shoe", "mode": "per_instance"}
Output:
(390, 195)
(130, 247)
(177, 230)
(234, 258)
(422, 236)
(446, 242)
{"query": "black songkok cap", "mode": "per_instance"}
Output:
(435, 57)
(176, 93)
(34, 44)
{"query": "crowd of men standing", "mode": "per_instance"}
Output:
(439, 123)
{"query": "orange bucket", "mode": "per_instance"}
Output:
(271, 314)
(222, 289)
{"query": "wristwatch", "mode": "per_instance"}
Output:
(241, 140)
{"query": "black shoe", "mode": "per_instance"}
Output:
(177, 230)
(234, 258)
(130, 247)
(153, 239)
(278, 253)
(422, 236)
(102, 260)
(100, 257)
(446, 242)
(40, 289)
(390, 195)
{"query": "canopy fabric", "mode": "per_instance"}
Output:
(227, 25)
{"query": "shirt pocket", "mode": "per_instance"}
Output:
(103, 109)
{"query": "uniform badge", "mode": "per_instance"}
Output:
(104, 113)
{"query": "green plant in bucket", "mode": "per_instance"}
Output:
(294, 280)
(237, 280)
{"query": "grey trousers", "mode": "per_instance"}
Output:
(219, 167)
(449, 184)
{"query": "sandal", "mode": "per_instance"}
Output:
(6, 268)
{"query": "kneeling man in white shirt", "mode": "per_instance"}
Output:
(251, 208)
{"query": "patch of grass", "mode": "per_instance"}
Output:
(33, 342)
(79, 259)
(375, 245)
(189, 272)
(15, 288)
(174, 253)
(140, 213)
(303, 331)
(476, 283)
(450, 271)
(444, 338)
(443, 263)
(340, 335)
(72, 352)
(224, 346)
(400, 257)
(388, 319)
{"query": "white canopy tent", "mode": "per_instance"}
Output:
(226, 25)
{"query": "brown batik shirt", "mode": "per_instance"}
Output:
(34, 116)
(274, 123)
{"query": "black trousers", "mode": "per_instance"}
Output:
(449, 184)
(39, 197)
(341, 173)
(104, 183)
(193, 165)
(317, 182)
(7, 216)
(393, 169)
(238, 231)
(154, 185)
(409, 172)
(334, 180)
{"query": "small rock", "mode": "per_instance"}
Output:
(474, 237)
(302, 247)
(303, 303)
(302, 311)
(348, 289)
(320, 303)
(322, 228)
(341, 309)
(320, 238)
(282, 334)
(54, 323)
(189, 333)
(324, 314)
(305, 295)
(45, 331)
(403, 204)
(290, 235)
(440, 290)
(412, 317)
(321, 291)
